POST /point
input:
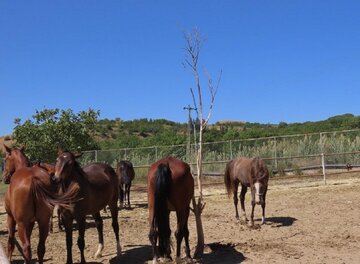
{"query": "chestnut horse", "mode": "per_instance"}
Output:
(98, 187)
(126, 174)
(251, 173)
(170, 188)
(29, 198)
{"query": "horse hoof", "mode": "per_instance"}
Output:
(118, 249)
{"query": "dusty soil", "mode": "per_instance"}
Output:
(307, 222)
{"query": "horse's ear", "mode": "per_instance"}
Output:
(7, 149)
(60, 151)
(78, 155)
(22, 147)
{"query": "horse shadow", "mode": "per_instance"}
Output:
(281, 221)
(139, 254)
(222, 253)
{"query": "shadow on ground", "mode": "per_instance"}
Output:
(222, 253)
(281, 221)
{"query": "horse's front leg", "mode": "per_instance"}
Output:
(81, 239)
(242, 201)
(263, 204)
(252, 208)
(67, 222)
(99, 227)
(128, 194)
(236, 200)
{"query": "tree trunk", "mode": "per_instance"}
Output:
(198, 207)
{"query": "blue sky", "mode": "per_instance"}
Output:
(290, 61)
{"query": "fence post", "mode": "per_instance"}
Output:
(156, 154)
(231, 153)
(275, 153)
(96, 156)
(323, 166)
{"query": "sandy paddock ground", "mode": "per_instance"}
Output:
(307, 222)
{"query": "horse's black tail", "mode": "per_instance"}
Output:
(227, 178)
(161, 214)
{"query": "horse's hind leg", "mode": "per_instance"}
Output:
(153, 237)
(242, 201)
(99, 227)
(23, 231)
(11, 240)
(43, 233)
(115, 224)
(182, 232)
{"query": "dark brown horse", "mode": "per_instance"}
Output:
(98, 187)
(28, 199)
(170, 188)
(126, 174)
(251, 173)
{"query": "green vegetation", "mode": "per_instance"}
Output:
(52, 128)
(115, 134)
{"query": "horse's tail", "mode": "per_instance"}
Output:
(49, 196)
(161, 213)
(227, 178)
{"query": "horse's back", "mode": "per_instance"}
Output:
(98, 190)
(247, 170)
(20, 200)
(100, 174)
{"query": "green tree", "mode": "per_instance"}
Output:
(53, 128)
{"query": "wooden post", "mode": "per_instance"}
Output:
(323, 166)
(231, 153)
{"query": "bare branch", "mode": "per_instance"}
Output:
(212, 94)
(194, 101)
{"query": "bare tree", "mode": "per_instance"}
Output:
(193, 44)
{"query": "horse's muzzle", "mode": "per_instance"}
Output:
(6, 179)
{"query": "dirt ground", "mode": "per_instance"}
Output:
(307, 222)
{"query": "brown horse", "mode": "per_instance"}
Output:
(251, 173)
(98, 187)
(28, 199)
(126, 174)
(170, 188)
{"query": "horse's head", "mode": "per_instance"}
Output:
(64, 165)
(14, 159)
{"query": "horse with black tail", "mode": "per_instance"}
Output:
(170, 188)
(251, 173)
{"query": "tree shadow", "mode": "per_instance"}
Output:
(281, 221)
(222, 253)
(139, 254)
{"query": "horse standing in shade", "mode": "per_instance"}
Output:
(251, 173)
(170, 188)
(98, 187)
(29, 198)
(126, 174)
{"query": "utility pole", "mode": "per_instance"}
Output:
(188, 148)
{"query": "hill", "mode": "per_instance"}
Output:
(112, 134)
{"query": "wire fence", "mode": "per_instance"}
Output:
(315, 153)
(302, 154)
